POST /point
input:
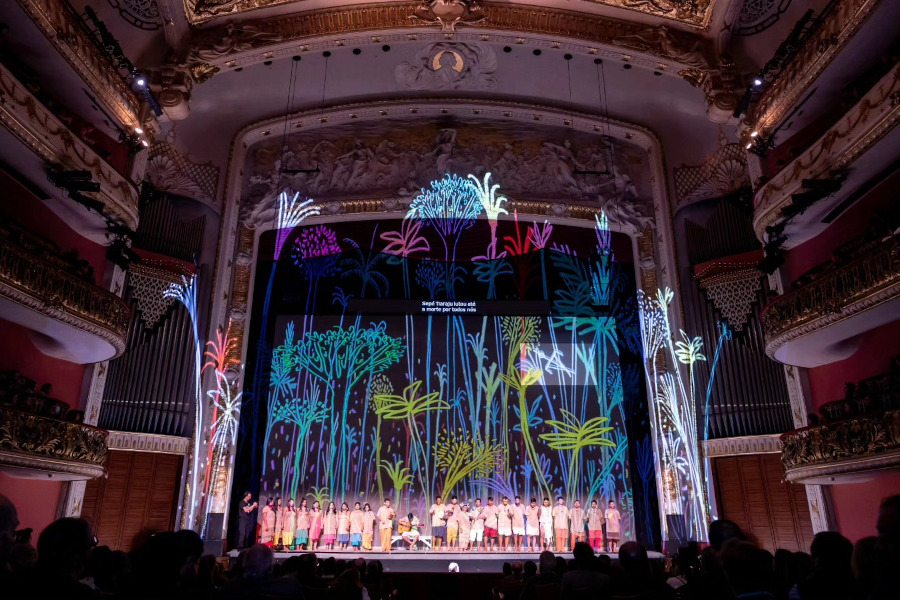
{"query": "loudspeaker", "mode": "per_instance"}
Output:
(215, 524)
(214, 547)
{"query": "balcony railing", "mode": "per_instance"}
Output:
(37, 443)
(861, 284)
(47, 289)
(850, 447)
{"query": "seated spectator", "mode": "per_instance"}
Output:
(256, 578)
(635, 577)
(748, 569)
(529, 570)
(546, 584)
(63, 551)
(583, 580)
(831, 577)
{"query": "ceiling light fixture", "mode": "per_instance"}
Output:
(138, 130)
(754, 134)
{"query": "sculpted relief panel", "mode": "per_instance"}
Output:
(391, 164)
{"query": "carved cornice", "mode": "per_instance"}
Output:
(50, 291)
(876, 114)
(29, 441)
(60, 26)
(838, 28)
(851, 446)
(146, 442)
(724, 172)
(696, 14)
(238, 45)
(740, 446)
(860, 285)
(40, 130)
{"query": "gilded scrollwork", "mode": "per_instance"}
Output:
(47, 289)
(28, 439)
(851, 439)
(861, 284)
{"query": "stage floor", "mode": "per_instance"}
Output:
(404, 561)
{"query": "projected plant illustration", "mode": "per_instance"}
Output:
(359, 400)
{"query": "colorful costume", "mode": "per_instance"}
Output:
(302, 527)
(368, 529)
(595, 528)
(329, 528)
(356, 528)
(385, 526)
(289, 525)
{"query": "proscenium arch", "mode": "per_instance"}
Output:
(238, 246)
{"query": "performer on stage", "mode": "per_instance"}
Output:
(532, 525)
(518, 523)
(315, 526)
(452, 526)
(595, 527)
(245, 521)
(279, 521)
(344, 526)
(546, 520)
(356, 527)
(438, 524)
(489, 514)
(408, 528)
(368, 527)
(464, 524)
(302, 539)
(385, 517)
(613, 519)
(259, 518)
(267, 530)
(477, 532)
(329, 526)
(577, 518)
(504, 524)
(289, 524)
(561, 524)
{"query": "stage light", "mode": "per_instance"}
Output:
(138, 130)
(754, 134)
(749, 145)
(145, 143)
(141, 82)
(757, 82)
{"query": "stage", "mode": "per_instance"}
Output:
(404, 561)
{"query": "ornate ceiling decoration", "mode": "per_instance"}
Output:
(448, 13)
(723, 173)
(241, 44)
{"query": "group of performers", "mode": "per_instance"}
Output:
(456, 526)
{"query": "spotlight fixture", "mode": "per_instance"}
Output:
(145, 143)
(138, 130)
(140, 80)
(757, 82)
(74, 181)
(753, 134)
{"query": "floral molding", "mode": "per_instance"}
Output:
(741, 446)
(723, 173)
(39, 129)
(170, 171)
(835, 33)
(30, 441)
(876, 114)
(851, 446)
(146, 442)
(55, 20)
(696, 14)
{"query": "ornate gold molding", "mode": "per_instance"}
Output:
(57, 23)
(841, 448)
(29, 441)
(741, 446)
(864, 125)
(838, 29)
(696, 14)
(146, 442)
(860, 285)
(39, 129)
(724, 172)
(47, 289)
(232, 45)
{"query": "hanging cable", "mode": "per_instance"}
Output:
(292, 83)
(604, 103)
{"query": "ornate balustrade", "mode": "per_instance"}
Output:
(864, 283)
(869, 122)
(836, 30)
(43, 288)
(30, 442)
(41, 131)
(844, 449)
(66, 33)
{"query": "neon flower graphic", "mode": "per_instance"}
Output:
(291, 212)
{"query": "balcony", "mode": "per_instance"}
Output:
(32, 138)
(33, 445)
(70, 317)
(842, 452)
(815, 324)
(863, 145)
